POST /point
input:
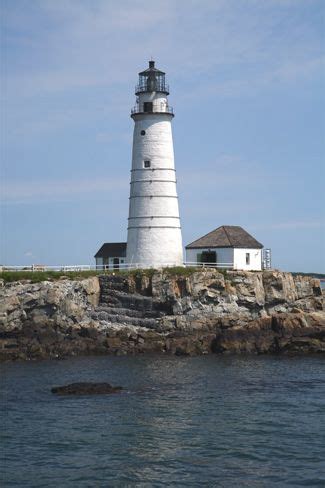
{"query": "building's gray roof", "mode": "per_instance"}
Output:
(226, 236)
(111, 250)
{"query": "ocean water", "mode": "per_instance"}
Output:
(228, 421)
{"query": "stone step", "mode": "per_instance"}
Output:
(119, 311)
(130, 312)
(138, 302)
(116, 301)
(113, 283)
(107, 299)
(150, 323)
(114, 286)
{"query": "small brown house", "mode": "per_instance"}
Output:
(111, 255)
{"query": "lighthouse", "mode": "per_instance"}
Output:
(154, 230)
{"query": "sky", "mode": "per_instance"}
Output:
(247, 87)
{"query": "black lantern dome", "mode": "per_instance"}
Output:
(152, 80)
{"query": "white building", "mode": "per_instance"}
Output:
(111, 255)
(228, 246)
(154, 231)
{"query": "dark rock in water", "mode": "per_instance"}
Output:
(86, 389)
(181, 352)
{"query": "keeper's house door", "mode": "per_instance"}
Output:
(116, 263)
(209, 257)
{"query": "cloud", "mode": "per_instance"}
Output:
(38, 191)
(303, 224)
(57, 54)
(224, 170)
(100, 43)
(106, 137)
(88, 44)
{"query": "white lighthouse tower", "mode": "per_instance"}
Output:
(154, 230)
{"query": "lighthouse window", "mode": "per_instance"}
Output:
(143, 132)
(147, 164)
(147, 106)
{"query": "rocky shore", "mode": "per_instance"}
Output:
(204, 312)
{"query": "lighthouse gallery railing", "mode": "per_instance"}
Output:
(158, 109)
(155, 85)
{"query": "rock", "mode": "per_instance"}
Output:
(234, 311)
(86, 389)
(181, 352)
(307, 286)
(91, 289)
(279, 287)
(249, 287)
(284, 332)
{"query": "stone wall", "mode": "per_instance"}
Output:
(206, 311)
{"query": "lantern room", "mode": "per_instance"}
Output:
(152, 80)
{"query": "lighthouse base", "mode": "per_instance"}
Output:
(154, 247)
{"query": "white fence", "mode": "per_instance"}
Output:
(104, 267)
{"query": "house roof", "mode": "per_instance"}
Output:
(226, 236)
(112, 249)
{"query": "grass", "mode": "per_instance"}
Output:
(183, 271)
(38, 276)
(138, 273)
(180, 271)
